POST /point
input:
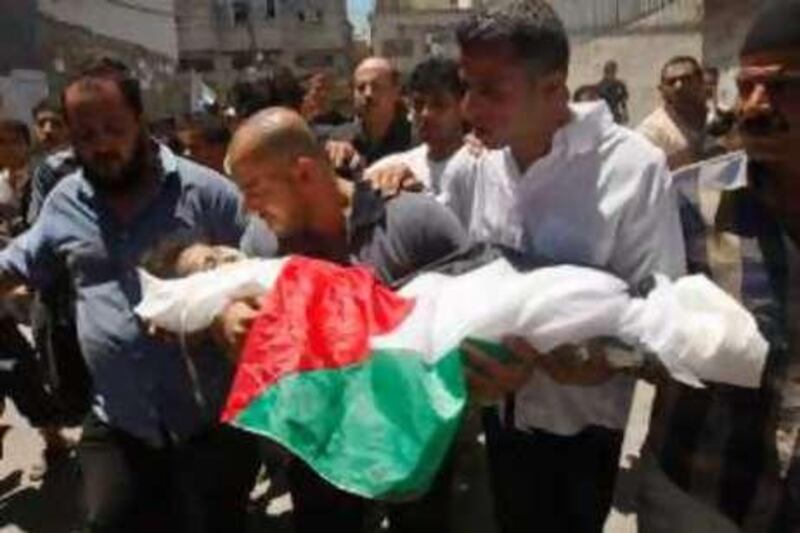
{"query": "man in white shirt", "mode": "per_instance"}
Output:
(679, 126)
(435, 92)
(567, 183)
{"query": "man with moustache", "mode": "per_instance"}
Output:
(679, 126)
(725, 459)
(152, 454)
(381, 127)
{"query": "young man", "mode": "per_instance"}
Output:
(567, 183)
(725, 459)
(435, 91)
(679, 126)
(381, 126)
(204, 139)
(287, 179)
(614, 92)
(49, 128)
(152, 453)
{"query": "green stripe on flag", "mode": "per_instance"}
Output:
(380, 429)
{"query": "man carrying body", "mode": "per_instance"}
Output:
(679, 126)
(725, 459)
(288, 180)
(152, 455)
(563, 182)
(381, 127)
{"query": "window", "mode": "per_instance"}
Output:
(241, 12)
(270, 9)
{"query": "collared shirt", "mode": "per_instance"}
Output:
(602, 197)
(141, 385)
(721, 444)
(402, 236)
(398, 138)
(682, 144)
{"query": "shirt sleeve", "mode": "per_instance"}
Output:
(30, 256)
(458, 189)
(428, 230)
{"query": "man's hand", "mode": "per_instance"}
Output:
(392, 178)
(490, 380)
(342, 155)
(572, 365)
(230, 328)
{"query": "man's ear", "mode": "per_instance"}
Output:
(306, 170)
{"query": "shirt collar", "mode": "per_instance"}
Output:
(590, 121)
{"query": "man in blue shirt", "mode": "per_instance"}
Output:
(152, 453)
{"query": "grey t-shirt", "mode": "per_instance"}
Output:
(403, 235)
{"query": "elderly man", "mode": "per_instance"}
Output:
(725, 459)
(287, 179)
(381, 126)
(679, 126)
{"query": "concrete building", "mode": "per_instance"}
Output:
(141, 33)
(223, 40)
(406, 31)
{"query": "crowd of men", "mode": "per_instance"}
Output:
(487, 149)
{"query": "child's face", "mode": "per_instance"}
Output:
(203, 257)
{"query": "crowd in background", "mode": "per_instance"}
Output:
(489, 148)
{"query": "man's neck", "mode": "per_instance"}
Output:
(446, 150)
(377, 129)
(534, 147)
(695, 118)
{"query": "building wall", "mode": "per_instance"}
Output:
(640, 48)
(214, 37)
(407, 37)
(149, 24)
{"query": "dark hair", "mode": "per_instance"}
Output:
(532, 29)
(774, 28)
(109, 69)
(47, 104)
(436, 74)
(714, 71)
(19, 128)
(211, 128)
(610, 64)
(677, 60)
(279, 89)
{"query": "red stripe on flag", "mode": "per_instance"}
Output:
(317, 316)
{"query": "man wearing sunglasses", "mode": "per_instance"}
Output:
(725, 459)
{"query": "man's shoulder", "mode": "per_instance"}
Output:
(206, 180)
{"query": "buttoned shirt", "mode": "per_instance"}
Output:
(601, 197)
(141, 385)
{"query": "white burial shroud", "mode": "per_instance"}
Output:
(698, 332)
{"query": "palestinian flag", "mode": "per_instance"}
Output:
(373, 420)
